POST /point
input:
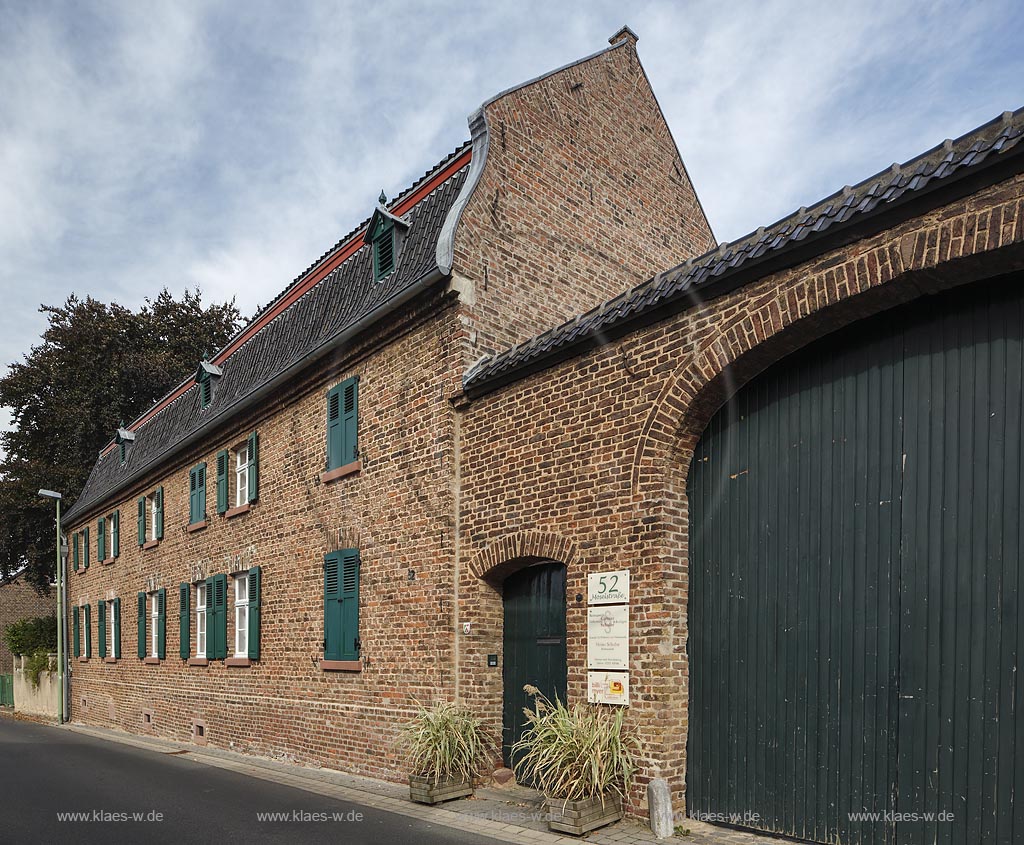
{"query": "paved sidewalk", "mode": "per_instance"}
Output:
(510, 813)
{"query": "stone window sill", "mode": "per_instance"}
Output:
(340, 472)
(198, 661)
(152, 661)
(231, 514)
(108, 561)
(196, 526)
(150, 544)
(110, 660)
(83, 659)
(243, 662)
(341, 665)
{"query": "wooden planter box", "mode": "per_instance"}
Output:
(578, 817)
(423, 790)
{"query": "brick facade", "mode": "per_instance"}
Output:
(583, 194)
(19, 600)
(578, 193)
(586, 462)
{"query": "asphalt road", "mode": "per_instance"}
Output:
(47, 771)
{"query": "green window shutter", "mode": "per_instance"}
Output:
(75, 549)
(220, 594)
(85, 547)
(350, 420)
(76, 631)
(101, 627)
(142, 626)
(254, 613)
(383, 251)
(184, 620)
(254, 467)
(101, 539)
(117, 629)
(88, 630)
(332, 606)
(158, 503)
(142, 520)
(222, 481)
(193, 485)
(115, 530)
(161, 623)
(334, 428)
(205, 390)
(197, 493)
(350, 604)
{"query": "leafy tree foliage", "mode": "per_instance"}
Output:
(97, 366)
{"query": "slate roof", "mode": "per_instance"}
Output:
(830, 222)
(343, 298)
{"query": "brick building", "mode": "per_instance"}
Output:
(19, 600)
(269, 558)
(392, 485)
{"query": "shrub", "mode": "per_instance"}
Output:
(445, 742)
(27, 636)
(575, 753)
(37, 663)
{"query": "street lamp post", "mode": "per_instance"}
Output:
(50, 494)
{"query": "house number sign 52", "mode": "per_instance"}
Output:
(608, 587)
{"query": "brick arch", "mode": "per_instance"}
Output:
(516, 551)
(791, 309)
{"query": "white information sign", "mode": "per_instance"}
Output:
(608, 587)
(608, 637)
(608, 687)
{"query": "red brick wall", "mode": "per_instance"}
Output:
(19, 600)
(586, 462)
(397, 510)
(583, 195)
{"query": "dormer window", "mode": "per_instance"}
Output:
(384, 234)
(205, 377)
(383, 251)
(123, 438)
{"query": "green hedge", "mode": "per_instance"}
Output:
(27, 636)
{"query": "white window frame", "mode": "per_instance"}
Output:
(154, 624)
(151, 522)
(110, 623)
(241, 588)
(201, 619)
(241, 475)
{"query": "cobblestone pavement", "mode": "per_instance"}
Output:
(510, 814)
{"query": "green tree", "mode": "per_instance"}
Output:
(97, 366)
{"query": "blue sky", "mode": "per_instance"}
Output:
(228, 144)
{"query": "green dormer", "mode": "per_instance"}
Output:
(384, 232)
(205, 377)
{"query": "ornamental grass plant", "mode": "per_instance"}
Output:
(577, 753)
(445, 742)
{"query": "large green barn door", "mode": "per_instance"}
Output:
(534, 643)
(854, 563)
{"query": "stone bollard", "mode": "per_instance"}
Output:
(659, 805)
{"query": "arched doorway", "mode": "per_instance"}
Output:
(855, 569)
(534, 643)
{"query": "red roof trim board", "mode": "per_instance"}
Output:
(313, 276)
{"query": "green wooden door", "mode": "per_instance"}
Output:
(534, 643)
(854, 579)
